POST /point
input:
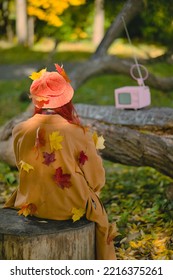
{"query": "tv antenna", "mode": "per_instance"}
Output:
(141, 79)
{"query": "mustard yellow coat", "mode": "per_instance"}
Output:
(60, 174)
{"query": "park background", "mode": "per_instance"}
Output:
(35, 34)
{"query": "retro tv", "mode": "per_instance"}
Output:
(133, 97)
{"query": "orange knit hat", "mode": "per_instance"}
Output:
(50, 89)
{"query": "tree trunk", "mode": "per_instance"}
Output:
(32, 238)
(129, 11)
(30, 31)
(98, 28)
(21, 21)
(134, 137)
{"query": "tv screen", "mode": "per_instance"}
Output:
(124, 98)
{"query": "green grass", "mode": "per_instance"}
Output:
(19, 55)
(161, 69)
(10, 103)
(22, 55)
(135, 198)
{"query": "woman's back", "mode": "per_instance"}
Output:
(57, 161)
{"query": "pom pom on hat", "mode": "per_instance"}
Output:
(51, 89)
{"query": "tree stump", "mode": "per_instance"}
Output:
(31, 238)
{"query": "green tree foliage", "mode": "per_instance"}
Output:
(154, 24)
(6, 13)
(77, 24)
(157, 22)
(50, 10)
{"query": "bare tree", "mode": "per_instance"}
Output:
(129, 11)
(98, 28)
(21, 21)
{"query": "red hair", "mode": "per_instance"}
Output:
(67, 111)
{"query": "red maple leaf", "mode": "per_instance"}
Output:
(41, 103)
(62, 72)
(62, 180)
(82, 158)
(48, 158)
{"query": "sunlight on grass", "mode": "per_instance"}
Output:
(124, 49)
(11, 53)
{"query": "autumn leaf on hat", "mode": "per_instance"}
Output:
(26, 166)
(98, 141)
(77, 213)
(62, 72)
(36, 75)
(62, 179)
(55, 140)
(41, 99)
(28, 209)
(82, 158)
(48, 158)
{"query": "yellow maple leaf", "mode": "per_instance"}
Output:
(26, 166)
(77, 213)
(41, 98)
(55, 140)
(36, 75)
(98, 141)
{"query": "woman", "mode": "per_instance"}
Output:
(60, 170)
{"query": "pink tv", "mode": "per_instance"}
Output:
(134, 97)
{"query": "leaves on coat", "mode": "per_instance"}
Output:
(55, 141)
(48, 158)
(77, 213)
(28, 209)
(36, 75)
(26, 166)
(98, 141)
(62, 179)
(82, 158)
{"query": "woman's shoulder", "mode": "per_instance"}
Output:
(27, 124)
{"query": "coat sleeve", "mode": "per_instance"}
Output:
(17, 135)
(93, 169)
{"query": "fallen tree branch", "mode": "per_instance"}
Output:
(136, 138)
(110, 64)
(130, 9)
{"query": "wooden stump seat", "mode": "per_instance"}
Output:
(31, 238)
